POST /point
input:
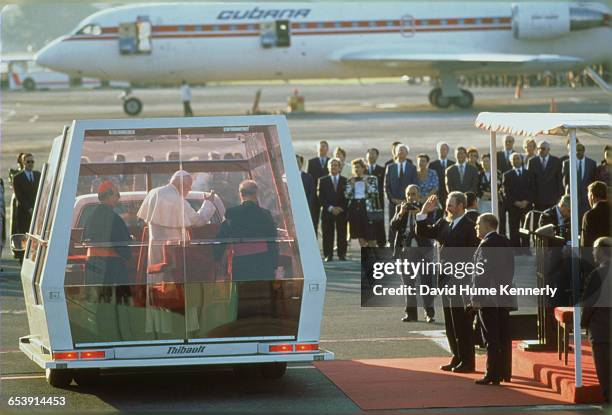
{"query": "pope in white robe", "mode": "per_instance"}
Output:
(168, 215)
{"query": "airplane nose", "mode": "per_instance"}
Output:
(48, 56)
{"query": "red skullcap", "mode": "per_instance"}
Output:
(105, 186)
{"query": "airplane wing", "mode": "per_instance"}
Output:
(458, 61)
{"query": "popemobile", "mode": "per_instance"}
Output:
(171, 242)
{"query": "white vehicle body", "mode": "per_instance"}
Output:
(166, 43)
(56, 293)
(26, 75)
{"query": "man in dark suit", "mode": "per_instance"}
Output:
(462, 176)
(317, 168)
(310, 189)
(25, 185)
(504, 163)
(440, 166)
(331, 197)
(559, 216)
(596, 222)
(398, 177)
(374, 169)
(597, 312)
(585, 173)
(254, 260)
(518, 196)
(546, 171)
(497, 259)
(457, 238)
(404, 225)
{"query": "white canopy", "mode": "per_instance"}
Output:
(555, 124)
(532, 124)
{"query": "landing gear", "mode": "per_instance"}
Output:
(437, 99)
(465, 100)
(132, 106)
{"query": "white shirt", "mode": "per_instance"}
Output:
(544, 161)
(456, 221)
(185, 93)
(360, 188)
(444, 163)
(519, 171)
(336, 183)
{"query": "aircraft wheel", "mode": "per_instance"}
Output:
(274, 370)
(29, 84)
(132, 106)
(465, 100)
(86, 377)
(439, 100)
(58, 378)
(431, 95)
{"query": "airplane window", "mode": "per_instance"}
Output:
(90, 29)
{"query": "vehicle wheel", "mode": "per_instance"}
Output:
(439, 100)
(273, 370)
(58, 378)
(29, 84)
(465, 100)
(86, 377)
(132, 106)
(431, 95)
(245, 371)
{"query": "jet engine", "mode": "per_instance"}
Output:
(535, 21)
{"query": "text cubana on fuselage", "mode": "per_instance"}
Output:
(258, 13)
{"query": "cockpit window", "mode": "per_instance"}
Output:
(90, 29)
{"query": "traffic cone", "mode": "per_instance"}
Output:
(553, 105)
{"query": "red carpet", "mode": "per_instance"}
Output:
(546, 368)
(538, 379)
(375, 384)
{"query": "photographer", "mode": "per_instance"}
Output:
(404, 224)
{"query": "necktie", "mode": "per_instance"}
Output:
(444, 164)
(29, 176)
(543, 163)
(518, 173)
(335, 183)
(461, 172)
(401, 171)
(579, 169)
(370, 169)
(322, 161)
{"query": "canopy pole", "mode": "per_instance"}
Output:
(493, 158)
(575, 259)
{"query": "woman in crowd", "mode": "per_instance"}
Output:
(427, 178)
(473, 159)
(340, 154)
(362, 195)
(604, 170)
(484, 185)
(529, 144)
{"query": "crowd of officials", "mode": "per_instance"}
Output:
(445, 202)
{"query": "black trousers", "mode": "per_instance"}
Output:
(315, 212)
(187, 112)
(495, 324)
(392, 233)
(601, 356)
(334, 225)
(381, 238)
(411, 300)
(457, 323)
(502, 219)
(516, 216)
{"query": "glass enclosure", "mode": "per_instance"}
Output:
(157, 265)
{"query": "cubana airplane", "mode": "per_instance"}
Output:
(167, 43)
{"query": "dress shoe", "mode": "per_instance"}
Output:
(408, 318)
(328, 259)
(486, 381)
(447, 368)
(506, 379)
(430, 319)
(461, 368)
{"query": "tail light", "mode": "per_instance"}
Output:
(65, 355)
(280, 348)
(311, 347)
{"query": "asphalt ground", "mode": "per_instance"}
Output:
(353, 116)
